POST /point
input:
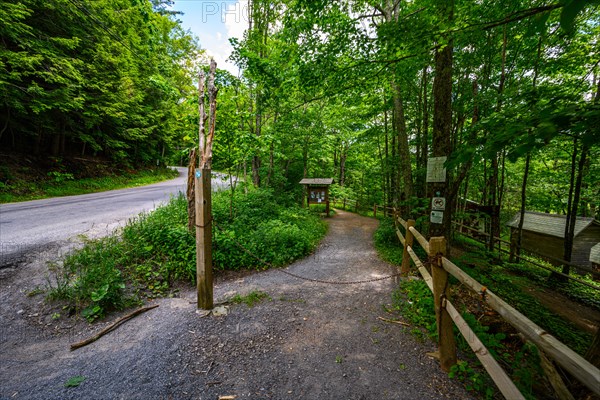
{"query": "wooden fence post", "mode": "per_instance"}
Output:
(408, 241)
(204, 276)
(447, 343)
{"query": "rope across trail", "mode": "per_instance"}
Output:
(329, 282)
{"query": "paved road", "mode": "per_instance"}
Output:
(34, 225)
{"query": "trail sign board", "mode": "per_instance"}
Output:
(317, 191)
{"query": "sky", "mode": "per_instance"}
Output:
(214, 22)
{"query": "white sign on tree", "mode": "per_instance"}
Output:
(436, 172)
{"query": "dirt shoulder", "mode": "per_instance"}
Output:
(309, 341)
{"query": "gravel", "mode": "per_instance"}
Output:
(308, 341)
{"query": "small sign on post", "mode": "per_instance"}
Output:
(437, 217)
(438, 203)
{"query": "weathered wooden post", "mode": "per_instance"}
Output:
(408, 242)
(446, 341)
(204, 239)
(202, 180)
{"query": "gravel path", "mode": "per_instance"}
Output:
(309, 341)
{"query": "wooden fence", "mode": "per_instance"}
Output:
(357, 206)
(446, 313)
(503, 246)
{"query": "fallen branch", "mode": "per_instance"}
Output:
(112, 326)
(393, 321)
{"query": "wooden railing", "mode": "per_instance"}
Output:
(356, 206)
(446, 313)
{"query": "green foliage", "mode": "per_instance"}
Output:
(66, 184)
(512, 289)
(155, 250)
(59, 177)
(101, 77)
(387, 243)
(280, 231)
(414, 301)
(91, 279)
(74, 381)
(251, 299)
(474, 380)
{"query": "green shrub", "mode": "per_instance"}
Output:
(414, 301)
(155, 249)
(91, 280)
(387, 243)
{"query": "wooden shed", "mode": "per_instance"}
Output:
(545, 234)
(595, 260)
(595, 255)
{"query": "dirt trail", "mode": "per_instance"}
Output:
(309, 341)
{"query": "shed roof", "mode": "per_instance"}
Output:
(549, 224)
(595, 254)
(316, 181)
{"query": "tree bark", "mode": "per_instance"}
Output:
(405, 167)
(191, 192)
(422, 145)
(494, 178)
(575, 189)
(343, 155)
(442, 118)
(522, 211)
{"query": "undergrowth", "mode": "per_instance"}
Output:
(251, 299)
(532, 274)
(155, 250)
(59, 183)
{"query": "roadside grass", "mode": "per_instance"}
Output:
(155, 250)
(414, 302)
(60, 184)
(251, 299)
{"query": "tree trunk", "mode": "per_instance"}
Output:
(191, 192)
(423, 139)
(522, 211)
(493, 183)
(405, 167)
(573, 204)
(343, 155)
(442, 118)
(271, 160)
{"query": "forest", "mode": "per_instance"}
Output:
(361, 91)
(506, 95)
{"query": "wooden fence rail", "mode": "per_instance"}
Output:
(572, 362)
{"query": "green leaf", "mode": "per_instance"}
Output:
(571, 10)
(99, 295)
(74, 381)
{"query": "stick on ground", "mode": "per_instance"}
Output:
(112, 326)
(393, 321)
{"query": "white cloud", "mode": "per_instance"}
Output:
(235, 17)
